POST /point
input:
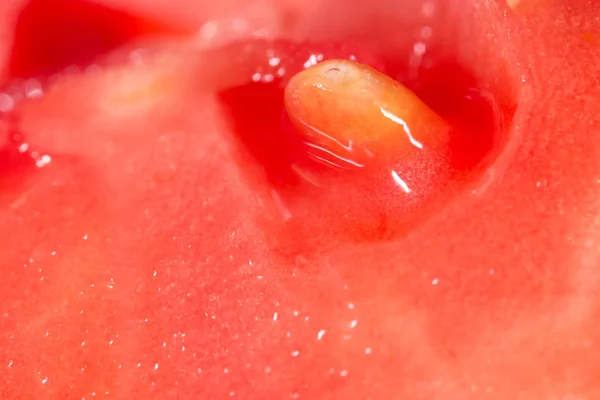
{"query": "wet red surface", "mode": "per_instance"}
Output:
(145, 256)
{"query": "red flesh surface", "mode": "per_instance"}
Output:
(136, 266)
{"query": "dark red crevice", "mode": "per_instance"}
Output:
(52, 35)
(258, 118)
(478, 118)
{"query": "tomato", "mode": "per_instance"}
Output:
(152, 249)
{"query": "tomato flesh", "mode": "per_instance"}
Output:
(140, 264)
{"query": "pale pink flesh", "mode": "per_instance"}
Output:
(151, 277)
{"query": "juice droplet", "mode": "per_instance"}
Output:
(352, 116)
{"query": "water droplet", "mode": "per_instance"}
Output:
(419, 48)
(426, 32)
(43, 161)
(7, 103)
(33, 89)
(209, 31)
(428, 9)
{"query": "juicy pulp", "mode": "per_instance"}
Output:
(137, 266)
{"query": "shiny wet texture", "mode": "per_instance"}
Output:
(313, 192)
(137, 267)
(352, 116)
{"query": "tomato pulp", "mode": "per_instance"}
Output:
(144, 250)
